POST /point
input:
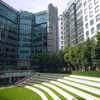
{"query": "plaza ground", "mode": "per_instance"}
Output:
(50, 86)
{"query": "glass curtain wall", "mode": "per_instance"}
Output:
(24, 50)
(8, 36)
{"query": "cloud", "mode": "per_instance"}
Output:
(36, 5)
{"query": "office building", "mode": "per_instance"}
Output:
(53, 37)
(8, 36)
(44, 34)
(45, 31)
(24, 56)
(25, 36)
(39, 34)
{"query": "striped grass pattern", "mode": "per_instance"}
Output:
(65, 87)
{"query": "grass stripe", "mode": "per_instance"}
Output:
(82, 83)
(46, 94)
(73, 94)
(58, 94)
(85, 79)
(82, 90)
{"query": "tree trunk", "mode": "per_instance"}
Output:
(97, 68)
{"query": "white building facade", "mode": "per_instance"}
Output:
(91, 17)
(81, 21)
(61, 32)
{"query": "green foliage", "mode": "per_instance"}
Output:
(52, 62)
(96, 50)
(88, 73)
(84, 54)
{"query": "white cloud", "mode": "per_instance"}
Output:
(36, 5)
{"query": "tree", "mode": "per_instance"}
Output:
(96, 52)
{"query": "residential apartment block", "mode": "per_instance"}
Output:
(61, 32)
(91, 17)
(82, 21)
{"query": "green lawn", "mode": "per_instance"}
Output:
(88, 73)
(18, 93)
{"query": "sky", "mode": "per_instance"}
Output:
(36, 5)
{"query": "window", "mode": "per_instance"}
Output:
(98, 27)
(89, 0)
(42, 18)
(61, 27)
(85, 11)
(62, 42)
(86, 25)
(90, 6)
(91, 22)
(61, 32)
(62, 37)
(98, 18)
(92, 30)
(85, 3)
(96, 9)
(62, 47)
(96, 1)
(86, 18)
(87, 33)
(91, 13)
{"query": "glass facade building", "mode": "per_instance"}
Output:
(39, 34)
(25, 36)
(24, 40)
(8, 35)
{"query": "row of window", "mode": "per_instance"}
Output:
(91, 11)
(89, 1)
(97, 18)
(92, 30)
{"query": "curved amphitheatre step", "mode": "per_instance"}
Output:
(76, 91)
(38, 92)
(53, 74)
(86, 78)
(48, 77)
(87, 88)
(42, 80)
(91, 83)
(48, 91)
(38, 81)
(60, 91)
(31, 83)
